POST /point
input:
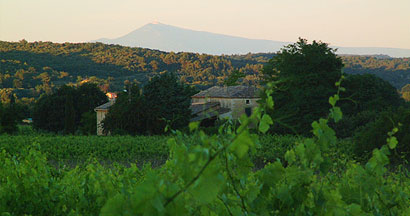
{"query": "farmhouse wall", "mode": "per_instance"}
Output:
(100, 116)
(237, 105)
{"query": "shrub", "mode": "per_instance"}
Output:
(374, 134)
(349, 124)
(8, 119)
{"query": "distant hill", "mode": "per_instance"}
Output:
(31, 69)
(171, 38)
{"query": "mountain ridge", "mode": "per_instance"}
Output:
(176, 39)
(171, 38)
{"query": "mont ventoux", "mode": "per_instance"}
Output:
(171, 38)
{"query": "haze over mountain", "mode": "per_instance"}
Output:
(171, 38)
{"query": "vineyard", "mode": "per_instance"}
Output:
(77, 150)
(202, 174)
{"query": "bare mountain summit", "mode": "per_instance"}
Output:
(170, 38)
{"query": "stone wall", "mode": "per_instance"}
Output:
(237, 105)
(100, 116)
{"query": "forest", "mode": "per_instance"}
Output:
(31, 69)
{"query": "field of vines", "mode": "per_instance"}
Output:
(201, 174)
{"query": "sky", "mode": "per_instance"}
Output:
(349, 23)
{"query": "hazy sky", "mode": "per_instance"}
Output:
(378, 23)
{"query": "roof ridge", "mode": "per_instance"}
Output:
(239, 91)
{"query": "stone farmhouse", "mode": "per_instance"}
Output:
(208, 105)
(101, 111)
(224, 102)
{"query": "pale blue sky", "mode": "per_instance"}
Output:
(377, 23)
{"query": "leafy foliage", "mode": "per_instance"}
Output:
(125, 116)
(365, 97)
(233, 78)
(163, 102)
(8, 118)
(10, 114)
(214, 176)
(207, 174)
(374, 134)
(31, 69)
(394, 70)
(304, 76)
(405, 92)
(62, 111)
(72, 150)
(368, 92)
(168, 101)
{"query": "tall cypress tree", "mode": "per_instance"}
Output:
(69, 115)
(8, 117)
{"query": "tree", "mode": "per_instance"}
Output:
(374, 134)
(88, 124)
(58, 111)
(368, 92)
(167, 102)
(10, 114)
(69, 115)
(163, 101)
(304, 75)
(126, 116)
(405, 92)
(365, 97)
(234, 77)
(89, 95)
(8, 119)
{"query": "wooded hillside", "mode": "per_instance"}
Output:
(30, 69)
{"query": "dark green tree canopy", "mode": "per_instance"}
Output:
(126, 115)
(8, 118)
(63, 109)
(366, 96)
(305, 76)
(234, 77)
(163, 101)
(368, 92)
(316, 62)
(168, 101)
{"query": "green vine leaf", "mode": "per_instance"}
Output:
(241, 144)
(265, 122)
(392, 142)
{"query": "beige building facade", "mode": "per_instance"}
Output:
(234, 101)
(101, 112)
(208, 105)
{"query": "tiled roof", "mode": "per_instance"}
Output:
(200, 107)
(105, 106)
(210, 114)
(229, 92)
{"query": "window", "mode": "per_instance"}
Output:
(248, 111)
(247, 101)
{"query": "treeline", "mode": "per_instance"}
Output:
(307, 80)
(31, 69)
(394, 70)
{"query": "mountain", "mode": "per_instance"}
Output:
(378, 52)
(170, 38)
